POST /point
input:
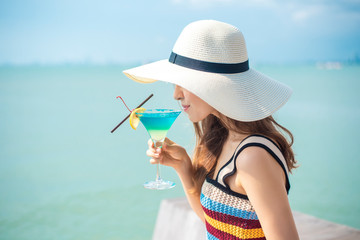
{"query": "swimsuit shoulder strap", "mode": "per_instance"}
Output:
(253, 140)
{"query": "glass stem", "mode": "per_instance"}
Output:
(158, 144)
(158, 178)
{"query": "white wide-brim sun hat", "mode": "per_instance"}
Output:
(210, 60)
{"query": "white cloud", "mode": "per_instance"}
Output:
(201, 3)
(177, 1)
(214, 3)
(305, 13)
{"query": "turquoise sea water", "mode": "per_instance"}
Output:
(63, 175)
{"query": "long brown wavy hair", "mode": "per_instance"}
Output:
(212, 132)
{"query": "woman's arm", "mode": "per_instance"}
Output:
(263, 180)
(173, 155)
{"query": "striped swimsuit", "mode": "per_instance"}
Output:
(228, 214)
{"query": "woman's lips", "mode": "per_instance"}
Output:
(185, 107)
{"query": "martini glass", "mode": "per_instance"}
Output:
(157, 123)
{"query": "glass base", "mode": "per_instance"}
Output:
(159, 185)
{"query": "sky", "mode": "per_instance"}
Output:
(117, 31)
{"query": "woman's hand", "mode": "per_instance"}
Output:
(171, 154)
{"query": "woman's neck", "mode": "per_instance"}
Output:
(235, 137)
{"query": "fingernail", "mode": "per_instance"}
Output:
(158, 150)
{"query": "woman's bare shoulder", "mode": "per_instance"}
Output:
(257, 161)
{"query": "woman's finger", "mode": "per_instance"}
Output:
(154, 161)
(168, 141)
(170, 147)
(150, 143)
(152, 153)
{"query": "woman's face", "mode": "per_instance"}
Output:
(195, 107)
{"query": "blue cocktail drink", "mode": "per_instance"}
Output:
(157, 123)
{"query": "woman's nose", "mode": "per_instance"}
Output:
(178, 93)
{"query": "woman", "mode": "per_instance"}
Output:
(237, 181)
